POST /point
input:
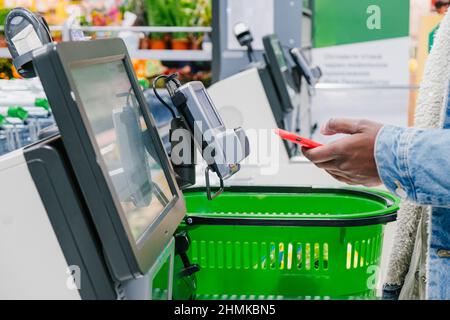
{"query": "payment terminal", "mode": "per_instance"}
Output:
(223, 149)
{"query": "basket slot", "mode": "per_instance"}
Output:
(356, 251)
(378, 246)
(349, 255)
(228, 255)
(211, 254)
(255, 255)
(281, 256)
(246, 256)
(299, 256)
(308, 256)
(264, 255)
(194, 252)
(317, 257)
(272, 256)
(375, 249)
(326, 260)
(203, 254)
(220, 255)
(237, 255)
(363, 258)
(369, 251)
(290, 256)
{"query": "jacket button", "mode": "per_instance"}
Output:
(443, 253)
(400, 191)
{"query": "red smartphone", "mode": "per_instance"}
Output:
(309, 144)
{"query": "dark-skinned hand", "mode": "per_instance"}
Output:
(351, 159)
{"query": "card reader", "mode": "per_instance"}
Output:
(222, 149)
(312, 75)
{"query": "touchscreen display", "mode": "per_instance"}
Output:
(125, 147)
(284, 68)
(278, 50)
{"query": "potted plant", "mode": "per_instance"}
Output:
(157, 15)
(181, 13)
(202, 17)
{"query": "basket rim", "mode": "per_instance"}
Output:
(382, 216)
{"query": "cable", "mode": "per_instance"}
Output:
(155, 91)
(251, 54)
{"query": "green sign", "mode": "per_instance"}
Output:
(339, 22)
(431, 38)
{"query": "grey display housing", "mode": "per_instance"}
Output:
(126, 257)
(312, 75)
(282, 76)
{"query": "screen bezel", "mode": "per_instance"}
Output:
(280, 78)
(127, 258)
(101, 162)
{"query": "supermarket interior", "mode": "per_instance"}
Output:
(224, 149)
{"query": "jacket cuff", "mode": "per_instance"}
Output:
(391, 156)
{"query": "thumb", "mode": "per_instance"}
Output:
(335, 126)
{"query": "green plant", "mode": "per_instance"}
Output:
(182, 14)
(157, 16)
(172, 13)
(203, 13)
(3, 13)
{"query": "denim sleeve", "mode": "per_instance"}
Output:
(415, 164)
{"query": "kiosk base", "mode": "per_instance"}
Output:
(143, 288)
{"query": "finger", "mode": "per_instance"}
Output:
(320, 154)
(335, 126)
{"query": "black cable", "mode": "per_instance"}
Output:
(251, 54)
(155, 91)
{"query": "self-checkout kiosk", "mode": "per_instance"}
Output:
(267, 84)
(271, 93)
(90, 211)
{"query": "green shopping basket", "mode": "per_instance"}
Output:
(287, 242)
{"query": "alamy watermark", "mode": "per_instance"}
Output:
(224, 147)
(73, 281)
(374, 19)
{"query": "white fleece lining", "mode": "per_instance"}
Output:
(430, 113)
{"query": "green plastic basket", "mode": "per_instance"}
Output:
(287, 242)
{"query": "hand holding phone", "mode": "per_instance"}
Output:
(306, 143)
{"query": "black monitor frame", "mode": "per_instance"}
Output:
(281, 79)
(126, 258)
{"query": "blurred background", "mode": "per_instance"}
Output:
(367, 73)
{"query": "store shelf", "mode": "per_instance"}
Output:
(133, 29)
(172, 55)
(145, 29)
(168, 55)
(52, 28)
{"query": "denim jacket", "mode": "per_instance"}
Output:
(415, 164)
